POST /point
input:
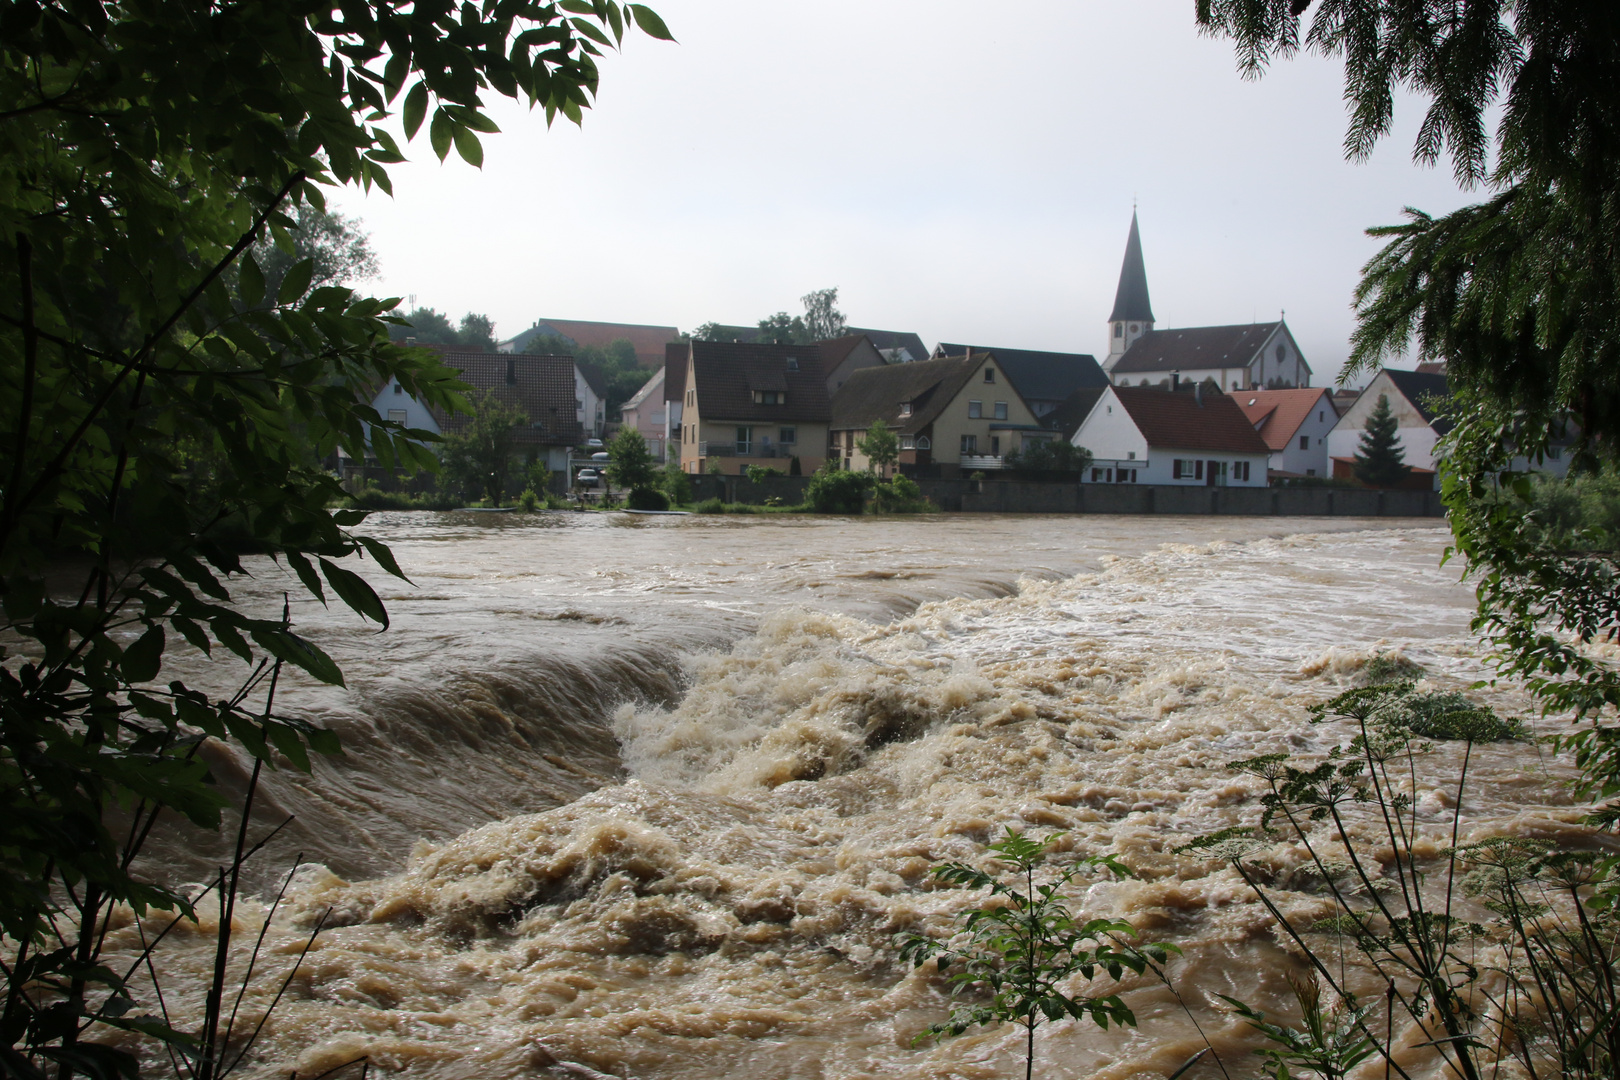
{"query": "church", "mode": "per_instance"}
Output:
(1246, 356)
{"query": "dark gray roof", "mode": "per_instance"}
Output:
(728, 373)
(1164, 351)
(1420, 388)
(876, 393)
(1131, 298)
(1067, 417)
(1039, 376)
(893, 339)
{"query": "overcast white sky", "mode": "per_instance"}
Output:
(961, 170)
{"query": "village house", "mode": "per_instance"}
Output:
(1295, 425)
(540, 387)
(590, 398)
(842, 356)
(559, 334)
(646, 412)
(1412, 396)
(1044, 379)
(745, 405)
(1138, 435)
(1254, 356)
(952, 415)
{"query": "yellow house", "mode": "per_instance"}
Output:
(753, 405)
(953, 415)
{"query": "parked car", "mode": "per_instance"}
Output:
(593, 444)
(587, 478)
(600, 455)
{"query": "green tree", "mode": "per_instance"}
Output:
(1050, 455)
(783, 329)
(1023, 945)
(339, 252)
(426, 326)
(481, 459)
(147, 149)
(477, 332)
(822, 319)
(881, 447)
(630, 463)
(838, 491)
(675, 483)
(1519, 294)
(1380, 459)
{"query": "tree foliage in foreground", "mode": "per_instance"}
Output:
(1519, 294)
(166, 404)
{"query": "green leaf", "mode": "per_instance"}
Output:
(296, 283)
(355, 591)
(288, 646)
(441, 133)
(468, 146)
(306, 573)
(384, 556)
(143, 659)
(415, 109)
(650, 23)
(251, 286)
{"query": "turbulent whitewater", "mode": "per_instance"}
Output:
(653, 798)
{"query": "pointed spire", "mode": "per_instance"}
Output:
(1131, 300)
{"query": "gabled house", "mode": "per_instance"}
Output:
(541, 387)
(645, 412)
(590, 398)
(841, 356)
(1044, 379)
(1295, 424)
(1066, 419)
(648, 340)
(1412, 398)
(747, 405)
(952, 415)
(1146, 436)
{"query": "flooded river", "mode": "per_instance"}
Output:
(654, 797)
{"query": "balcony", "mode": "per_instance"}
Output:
(981, 462)
(748, 450)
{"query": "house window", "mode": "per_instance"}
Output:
(1096, 474)
(1310, 472)
(1240, 470)
(975, 409)
(398, 389)
(995, 444)
(579, 405)
(745, 440)
(1198, 469)
(908, 442)
(905, 408)
(924, 443)
(1001, 410)
(989, 374)
(1319, 413)
(788, 436)
(769, 397)
(970, 444)
(1304, 442)
(1131, 455)
(793, 363)
(1554, 453)
(396, 416)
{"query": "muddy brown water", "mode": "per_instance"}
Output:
(654, 797)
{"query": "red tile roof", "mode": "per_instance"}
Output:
(648, 340)
(1277, 414)
(1177, 420)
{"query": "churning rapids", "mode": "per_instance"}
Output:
(653, 797)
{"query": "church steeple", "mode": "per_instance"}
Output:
(1133, 312)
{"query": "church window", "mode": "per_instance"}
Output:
(1119, 329)
(1282, 353)
(1134, 328)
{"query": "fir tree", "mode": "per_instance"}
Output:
(1380, 459)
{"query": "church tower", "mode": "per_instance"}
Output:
(1133, 314)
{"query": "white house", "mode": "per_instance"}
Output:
(1411, 395)
(1295, 424)
(393, 403)
(1147, 436)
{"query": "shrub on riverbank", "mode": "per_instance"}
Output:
(368, 497)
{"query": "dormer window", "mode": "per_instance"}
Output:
(770, 397)
(793, 363)
(989, 374)
(511, 373)
(905, 408)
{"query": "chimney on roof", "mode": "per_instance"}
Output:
(511, 373)
(1175, 380)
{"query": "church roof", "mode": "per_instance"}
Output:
(1195, 348)
(1039, 376)
(1131, 299)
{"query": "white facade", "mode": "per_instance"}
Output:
(1306, 452)
(1277, 364)
(645, 412)
(393, 403)
(1122, 334)
(589, 408)
(1121, 454)
(1417, 438)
